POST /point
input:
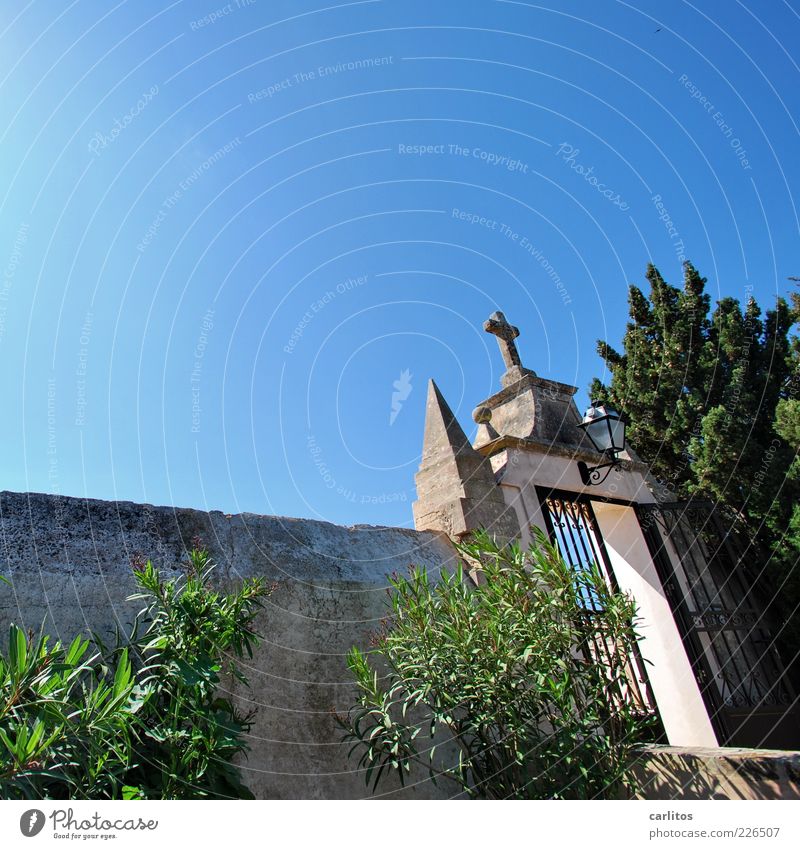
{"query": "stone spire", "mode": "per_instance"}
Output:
(444, 436)
(456, 487)
(506, 334)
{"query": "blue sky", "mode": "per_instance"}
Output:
(229, 229)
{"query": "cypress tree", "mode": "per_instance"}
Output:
(713, 403)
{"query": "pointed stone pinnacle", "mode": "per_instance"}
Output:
(443, 434)
(456, 487)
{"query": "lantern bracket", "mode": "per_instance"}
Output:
(590, 476)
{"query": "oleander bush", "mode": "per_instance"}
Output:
(485, 684)
(142, 719)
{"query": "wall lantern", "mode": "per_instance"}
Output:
(606, 430)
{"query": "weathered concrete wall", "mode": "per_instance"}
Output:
(672, 772)
(69, 563)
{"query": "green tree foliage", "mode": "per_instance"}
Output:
(483, 684)
(712, 402)
(660, 374)
(787, 533)
(141, 720)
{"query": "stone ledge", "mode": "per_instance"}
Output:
(529, 380)
(675, 772)
(501, 443)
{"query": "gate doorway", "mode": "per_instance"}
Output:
(703, 566)
(573, 528)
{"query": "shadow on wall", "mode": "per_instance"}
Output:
(671, 772)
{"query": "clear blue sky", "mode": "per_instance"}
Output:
(222, 245)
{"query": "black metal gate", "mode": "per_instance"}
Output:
(705, 568)
(573, 528)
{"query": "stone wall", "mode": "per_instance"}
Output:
(68, 560)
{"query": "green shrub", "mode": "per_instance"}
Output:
(143, 719)
(490, 678)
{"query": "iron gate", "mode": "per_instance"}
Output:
(703, 565)
(573, 528)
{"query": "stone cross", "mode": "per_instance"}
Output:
(506, 334)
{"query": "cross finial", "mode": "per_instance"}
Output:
(506, 334)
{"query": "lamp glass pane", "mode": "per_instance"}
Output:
(617, 427)
(599, 434)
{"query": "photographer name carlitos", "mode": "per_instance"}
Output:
(67, 827)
